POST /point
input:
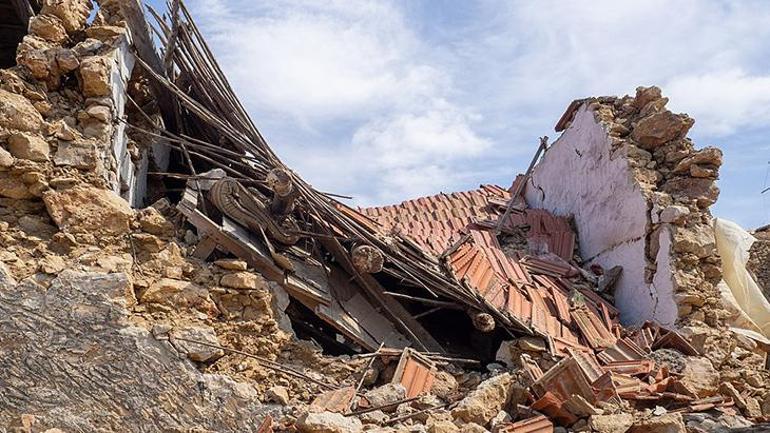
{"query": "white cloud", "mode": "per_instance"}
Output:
(723, 102)
(353, 96)
(351, 66)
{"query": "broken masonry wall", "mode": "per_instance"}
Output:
(76, 79)
(639, 193)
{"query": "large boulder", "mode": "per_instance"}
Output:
(86, 209)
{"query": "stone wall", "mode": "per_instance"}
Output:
(639, 192)
(61, 107)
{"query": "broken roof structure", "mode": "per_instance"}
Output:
(592, 279)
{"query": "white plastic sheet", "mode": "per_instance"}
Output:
(740, 293)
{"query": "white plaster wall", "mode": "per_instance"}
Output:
(579, 176)
(665, 311)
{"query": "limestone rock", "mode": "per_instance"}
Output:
(444, 385)
(674, 214)
(179, 294)
(6, 159)
(151, 221)
(76, 154)
(443, 426)
(386, 394)
(615, 423)
(666, 423)
(232, 264)
(645, 95)
(485, 401)
(180, 337)
(48, 27)
(472, 427)
(659, 128)
(29, 146)
(11, 187)
(374, 417)
(278, 394)
(100, 372)
(72, 13)
(95, 76)
(700, 376)
(704, 191)
(16, 112)
(85, 209)
(243, 280)
(698, 240)
(327, 422)
(66, 60)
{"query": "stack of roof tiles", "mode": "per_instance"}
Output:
(532, 290)
(539, 288)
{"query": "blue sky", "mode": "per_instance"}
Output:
(387, 100)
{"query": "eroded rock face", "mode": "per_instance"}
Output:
(92, 371)
(85, 209)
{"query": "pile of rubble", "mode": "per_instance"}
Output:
(241, 299)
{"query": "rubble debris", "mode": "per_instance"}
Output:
(222, 303)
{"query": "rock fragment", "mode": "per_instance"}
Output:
(28, 146)
(327, 422)
(184, 338)
(485, 401)
(86, 209)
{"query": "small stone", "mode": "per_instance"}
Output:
(48, 27)
(615, 423)
(17, 112)
(443, 426)
(82, 155)
(84, 209)
(179, 294)
(668, 423)
(485, 401)
(52, 264)
(151, 221)
(499, 420)
(72, 13)
(704, 191)
(95, 76)
(472, 427)
(6, 159)
(66, 60)
(29, 146)
(99, 112)
(386, 394)
(444, 385)
(242, 280)
(645, 95)
(700, 376)
(376, 417)
(659, 128)
(674, 214)
(13, 188)
(184, 341)
(532, 344)
(327, 422)
(278, 394)
(232, 264)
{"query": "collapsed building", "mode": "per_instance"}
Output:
(163, 270)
